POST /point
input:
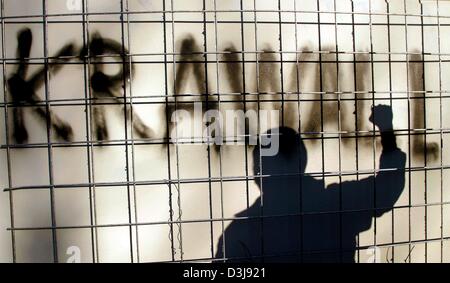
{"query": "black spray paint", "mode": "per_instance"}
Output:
(416, 87)
(323, 78)
(23, 91)
(110, 86)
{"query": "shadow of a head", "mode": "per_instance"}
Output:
(290, 159)
(279, 176)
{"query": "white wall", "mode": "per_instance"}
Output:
(30, 166)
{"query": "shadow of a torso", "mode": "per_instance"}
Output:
(298, 219)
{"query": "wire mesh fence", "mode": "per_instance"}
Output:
(111, 149)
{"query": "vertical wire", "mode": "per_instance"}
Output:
(49, 144)
(207, 94)
(221, 148)
(91, 118)
(280, 39)
(124, 56)
(409, 127)
(338, 91)
(255, 14)
(169, 170)
(89, 147)
(425, 155)
(374, 144)
(133, 152)
(355, 86)
(322, 135)
(301, 173)
(441, 134)
(244, 95)
(8, 149)
(390, 102)
(178, 186)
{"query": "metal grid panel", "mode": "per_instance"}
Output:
(134, 193)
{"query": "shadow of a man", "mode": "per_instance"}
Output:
(298, 219)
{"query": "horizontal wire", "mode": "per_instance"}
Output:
(191, 140)
(127, 101)
(213, 11)
(312, 252)
(324, 174)
(229, 219)
(243, 52)
(51, 22)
